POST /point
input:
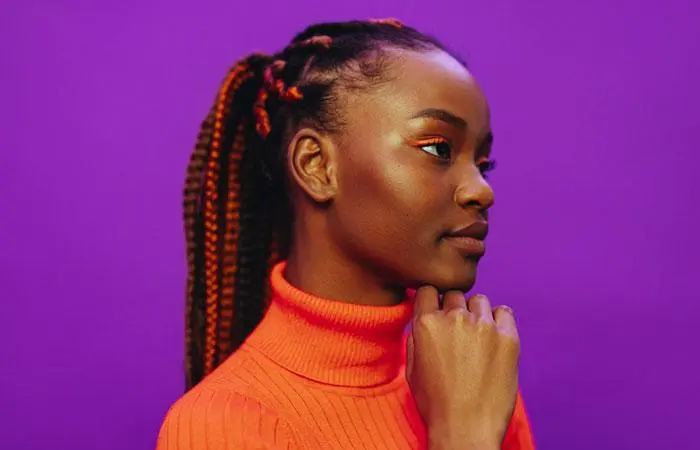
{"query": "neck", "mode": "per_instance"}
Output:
(318, 267)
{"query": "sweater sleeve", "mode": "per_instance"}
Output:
(203, 420)
(519, 435)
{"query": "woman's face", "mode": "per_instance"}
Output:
(411, 174)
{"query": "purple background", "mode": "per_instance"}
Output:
(594, 241)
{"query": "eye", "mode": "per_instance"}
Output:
(486, 166)
(437, 147)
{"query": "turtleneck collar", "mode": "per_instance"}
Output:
(332, 342)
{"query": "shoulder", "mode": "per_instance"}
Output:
(210, 419)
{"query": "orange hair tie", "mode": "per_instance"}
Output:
(272, 86)
(316, 41)
(278, 87)
(396, 23)
(292, 94)
(262, 118)
(278, 65)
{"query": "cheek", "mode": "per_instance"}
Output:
(392, 203)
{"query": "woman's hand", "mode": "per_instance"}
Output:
(462, 367)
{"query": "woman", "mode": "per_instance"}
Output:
(338, 188)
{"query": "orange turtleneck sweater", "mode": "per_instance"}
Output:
(315, 374)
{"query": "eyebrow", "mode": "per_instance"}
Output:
(443, 115)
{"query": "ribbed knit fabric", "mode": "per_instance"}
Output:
(315, 374)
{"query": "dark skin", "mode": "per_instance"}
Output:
(374, 206)
(374, 202)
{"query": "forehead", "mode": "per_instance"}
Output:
(433, 79)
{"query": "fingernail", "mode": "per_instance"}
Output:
(507, 309)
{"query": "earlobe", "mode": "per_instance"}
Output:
(311, 162)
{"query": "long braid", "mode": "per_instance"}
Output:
(193, 231)
(210, 222)
(231, 235)
(192, 188)
(212, 232)
(252, 250)
(236, 210)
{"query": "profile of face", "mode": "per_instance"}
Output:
(409, 195)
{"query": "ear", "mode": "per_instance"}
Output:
(312, 162)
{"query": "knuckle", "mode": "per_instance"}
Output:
(484, 326)
(456, 316)
(424, 321)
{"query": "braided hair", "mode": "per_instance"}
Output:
(237, 212)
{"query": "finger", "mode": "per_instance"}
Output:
(480, 306)
(425, 301)
(410, 346)
(505, 319)
(453, 300)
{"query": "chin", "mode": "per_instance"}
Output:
(451, 275)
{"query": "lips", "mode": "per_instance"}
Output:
(477, 230)
(469, 240)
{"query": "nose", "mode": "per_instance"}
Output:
(474, 192)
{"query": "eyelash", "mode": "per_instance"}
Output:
(434, 142)
(485, 166)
